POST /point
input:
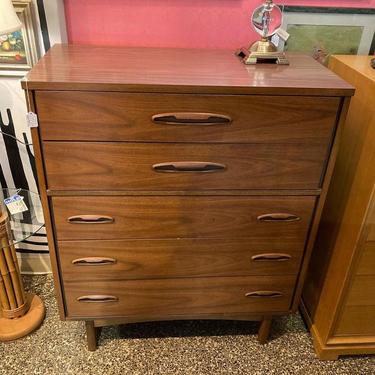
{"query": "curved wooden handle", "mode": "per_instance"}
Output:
(188, 166)
(276, 257)
(279, 216)
(90, 219)
(191, 118)
(264, 294)
(93, 261)
(97, 298)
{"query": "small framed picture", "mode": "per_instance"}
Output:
(323, 31)
(19, 49)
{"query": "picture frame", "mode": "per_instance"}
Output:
(19, 50)
(322, 31)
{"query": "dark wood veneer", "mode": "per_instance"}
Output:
(182, 217)
(80, 67)
(196, 182)
(130, 166)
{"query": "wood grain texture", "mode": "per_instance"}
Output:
(41, 180)
(320, 204)
(129, 166)
(103, 116)
(361, 291)
(182, 217)
(179, 296)
(363, 316)
(191, 236)
(344, 226)
(79, 67)
(140, 259)
(268, 192)
(366, 265)
(371, 226)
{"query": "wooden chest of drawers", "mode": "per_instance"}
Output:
(182, 186)
(339, 302)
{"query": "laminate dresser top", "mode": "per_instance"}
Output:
(80, 67)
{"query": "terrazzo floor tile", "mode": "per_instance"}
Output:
(168, 348)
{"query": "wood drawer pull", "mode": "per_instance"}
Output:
(264, 294)
(276, 257)
(278, 217)
(90, 219)
(96, 298)
(93, 261)
(191, 118)
(188, 166)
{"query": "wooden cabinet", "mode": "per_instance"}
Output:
(186, 187)
(339, 301)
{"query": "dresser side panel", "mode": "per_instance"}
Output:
(39, 162)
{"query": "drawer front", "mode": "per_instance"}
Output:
(141, 259)
(362, 291)
(185, 118)
(132, 166)
(371, 223)
(98, 217)
(163, 297)
(366, 264)
(356, 320)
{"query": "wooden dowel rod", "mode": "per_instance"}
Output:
(18, 271)
(7, 281)
(13, 275)
(3, 295)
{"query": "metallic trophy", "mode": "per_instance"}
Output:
(266, 20)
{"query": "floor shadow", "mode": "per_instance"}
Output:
(187, 328)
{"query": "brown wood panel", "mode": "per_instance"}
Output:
(182, 217)
(101, 116)
(252, 192)
(132, 259)
(186, 297)
(366, 264)
(313, 234)
(129, 166)
(361, 291)
(371, 221)
(41, 180)
(356, 320)
(80, 67)
(340, 238)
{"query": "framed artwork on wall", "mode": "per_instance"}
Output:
(321, 31)
(19, 50)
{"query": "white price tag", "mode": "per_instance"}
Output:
(275, 40)
(283, 34)
(32, 120)
(15, 204)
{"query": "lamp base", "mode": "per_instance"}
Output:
(264, 46)
(13, 329)
(262, 52)
(266, 58)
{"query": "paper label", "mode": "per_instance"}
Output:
(275, 40)
(15, 204)
(283, 34)
(32, 120)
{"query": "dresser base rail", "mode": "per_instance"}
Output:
(93, 328)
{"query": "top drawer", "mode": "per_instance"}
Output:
(107, 116)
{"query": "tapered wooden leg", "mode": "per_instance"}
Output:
(264, 329)
(91, 336)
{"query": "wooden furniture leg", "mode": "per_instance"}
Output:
(91, 333)
(264, 329)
